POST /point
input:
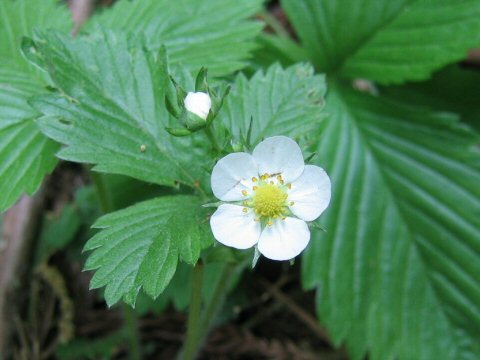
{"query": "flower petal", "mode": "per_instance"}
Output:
(279, 154)
(198, 103)
(310, 193)
(232, 174)
(285, 239)
(232, 227)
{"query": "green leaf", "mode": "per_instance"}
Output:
(18, 18)
(92, 349)
(397, 271)
(25, 154)
(139, 247)
(179, 290)
(277, 49)
(58, 230)
(453, 89)
(385, 41)
(110, 110)
(217, 34)
(280, 102)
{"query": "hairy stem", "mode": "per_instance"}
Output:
(192, 346)
(131, 323)
(199, 326)
(216, 302)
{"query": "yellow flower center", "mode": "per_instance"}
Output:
(269, 201)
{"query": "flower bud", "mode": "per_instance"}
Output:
(198, 103)
(194, 110)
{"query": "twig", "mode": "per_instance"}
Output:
(291, 305)
(81, 10)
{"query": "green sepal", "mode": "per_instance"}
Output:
(172, 108)
(194, 122)
(256, 257)
(179, 132)
(226, 91)
(311, 157)
(210, 117)
(201, 82)
(180, 93)
(217, 102)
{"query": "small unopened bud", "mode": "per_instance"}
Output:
(198, 103)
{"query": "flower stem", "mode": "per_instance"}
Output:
(199, 326)
(131, 323)
(191, 346)
(213, 139)
(216, 301)
(129, 315)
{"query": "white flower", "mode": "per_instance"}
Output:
(198, 103)
(272, 193)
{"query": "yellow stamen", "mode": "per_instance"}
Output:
(269, 200)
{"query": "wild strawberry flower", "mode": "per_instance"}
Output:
(268, 197)
(198, 103)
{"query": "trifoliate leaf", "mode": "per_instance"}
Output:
(140, 246)
(110, 110)
(25, 154)
(397, 270)
(277, 102)
(217, 34)
(386, 41)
